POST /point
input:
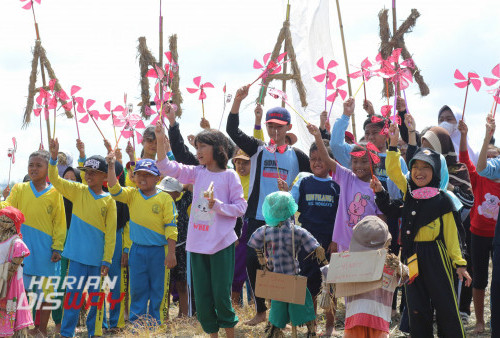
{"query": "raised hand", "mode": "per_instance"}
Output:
(159, 130)
(111, 158)
(258, 114)
(107, 145)
(313, 130)
(241, 93)
(410, 122)
(80, 146)
(191, 139)
(368, 107)
(462, 128)
(204, 124)
(375, 184)
(394, 134)
(349, 105)
(170, 114)
(54, 148)
(322, 119)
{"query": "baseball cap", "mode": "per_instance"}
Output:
(96, 162)
(371, 233)
(278, 115)
(349, 135)
(170, 184)
(148, 166)
(241, 155)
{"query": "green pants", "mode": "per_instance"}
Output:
(213, 277)
(57, 313)
(282, 313)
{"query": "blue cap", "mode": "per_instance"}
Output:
(147, 165)
(278, 115)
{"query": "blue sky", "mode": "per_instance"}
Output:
(93, 44)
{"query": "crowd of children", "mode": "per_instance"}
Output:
(176, 222)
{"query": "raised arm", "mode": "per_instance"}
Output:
(247, 143)
(481, 162)
(179, 148)
(392, 162)
(258, 133)
(341, 150)
(65, 187)
(323, 153)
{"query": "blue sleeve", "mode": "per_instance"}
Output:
(295, 190)
(404, 167)
(492, 170)
(341, 150)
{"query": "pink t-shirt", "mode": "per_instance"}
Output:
(356, 201)
(210, 230)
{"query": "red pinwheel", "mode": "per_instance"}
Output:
(387, 118)
(496, 91)
(329, 76)
(372, 151)
(11, 153)
(269, 66)
(465, 82)
(29, 4)
(201, 87)
(336, 92)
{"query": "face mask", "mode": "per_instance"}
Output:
(450, 127)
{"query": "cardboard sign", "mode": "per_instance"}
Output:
(278, 286)
(351, 289)
(363, 266)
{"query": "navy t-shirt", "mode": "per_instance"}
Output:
(318, 199)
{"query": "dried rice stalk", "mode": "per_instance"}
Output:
(146, 59)
(285, 35)
(174, 85)
(397, 41)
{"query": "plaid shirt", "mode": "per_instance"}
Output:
(279, 246)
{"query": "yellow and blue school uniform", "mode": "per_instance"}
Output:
(89, 245)
(152, 221)
(44, 229)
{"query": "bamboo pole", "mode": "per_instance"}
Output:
(283, 87)
(353, 119)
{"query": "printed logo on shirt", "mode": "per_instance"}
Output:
(320, 200)
(50, 208)
(203, 216)
(270, 170)
(489, 207)
(155, 209)
(357, 208)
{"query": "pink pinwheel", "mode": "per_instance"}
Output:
(29, 4)
(495, 91)
(11, 153)
(329, 76)
(365, 72)
(269, 66)
(90, 114)
(372, 150)
(336, 92)
(465, 82)
(201, 88)
(278, 94)
(130, 123)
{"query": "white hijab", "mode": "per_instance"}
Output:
(455, 134)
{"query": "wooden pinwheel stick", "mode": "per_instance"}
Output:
(465, 102)
(353, 119)
(76, 118)
(496, 98)
(364, 85)
(92, 118)
(161, 38)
